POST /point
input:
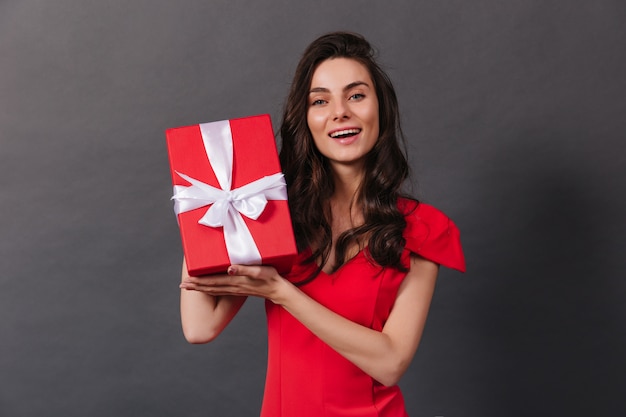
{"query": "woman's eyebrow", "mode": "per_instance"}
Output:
(346, 88)
(319, 90)
(355, 84)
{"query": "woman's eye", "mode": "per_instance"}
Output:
(317, 102)
(357, 96)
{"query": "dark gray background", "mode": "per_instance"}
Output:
(515, 113)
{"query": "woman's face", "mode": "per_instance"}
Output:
(342, 111)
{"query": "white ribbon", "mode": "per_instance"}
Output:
(228, 205)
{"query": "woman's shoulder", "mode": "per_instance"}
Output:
(430, 233)
(416, 212)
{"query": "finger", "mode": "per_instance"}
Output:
(216, 281)
(199, 286)
(215, 290)
(210, 280)
(252, 271)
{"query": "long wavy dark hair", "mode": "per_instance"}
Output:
(309, 176)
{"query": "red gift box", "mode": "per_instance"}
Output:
(211, 193)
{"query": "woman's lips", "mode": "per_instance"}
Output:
(346, 135)
(345, 132)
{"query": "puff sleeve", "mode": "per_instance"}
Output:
(432, 235)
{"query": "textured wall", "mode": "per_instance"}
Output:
(515, 116)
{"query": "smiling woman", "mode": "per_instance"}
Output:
(343, 111)
(345, 323)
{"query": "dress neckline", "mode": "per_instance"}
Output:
(360, 253)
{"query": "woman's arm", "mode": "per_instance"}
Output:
(204, 316)
(384, 356)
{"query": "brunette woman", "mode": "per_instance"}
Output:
(345, 323)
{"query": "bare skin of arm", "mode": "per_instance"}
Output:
(383, 355)
(204, 316)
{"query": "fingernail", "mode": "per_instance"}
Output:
(231, 270)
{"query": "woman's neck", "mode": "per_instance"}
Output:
(347, 179)
(345, 204)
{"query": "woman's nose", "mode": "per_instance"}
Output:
(340, 111)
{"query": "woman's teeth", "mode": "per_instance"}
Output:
(344, 133)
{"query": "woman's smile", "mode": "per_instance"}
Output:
(345, 136)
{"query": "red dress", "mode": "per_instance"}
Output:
(307, 378)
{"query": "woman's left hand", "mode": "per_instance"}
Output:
(257, 281)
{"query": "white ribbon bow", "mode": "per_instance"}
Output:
(228, 205)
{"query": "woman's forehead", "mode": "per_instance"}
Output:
(337, 73)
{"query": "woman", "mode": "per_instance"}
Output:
(345, 323)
